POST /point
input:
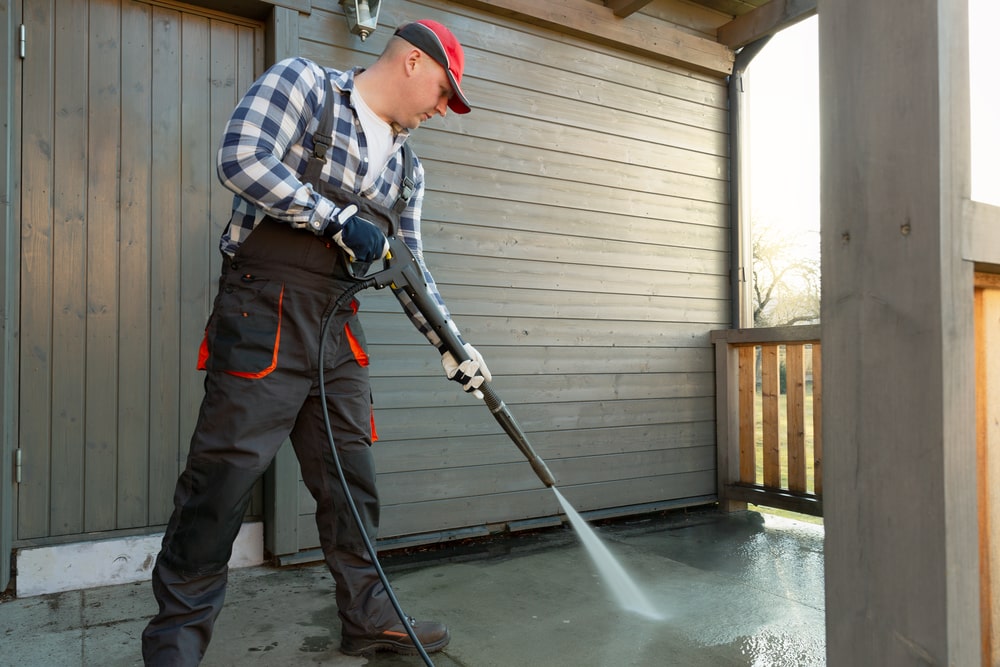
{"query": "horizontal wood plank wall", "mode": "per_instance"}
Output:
(576, 225)
(124, 104)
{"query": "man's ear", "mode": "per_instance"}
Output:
(412, 60)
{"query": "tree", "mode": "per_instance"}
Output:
(786, 279)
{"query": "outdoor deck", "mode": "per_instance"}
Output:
(735, 589)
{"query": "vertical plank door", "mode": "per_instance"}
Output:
(123, 106)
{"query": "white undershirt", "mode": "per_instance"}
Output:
(379, 136)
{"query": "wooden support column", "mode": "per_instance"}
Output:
(902, 565)
(281, 487)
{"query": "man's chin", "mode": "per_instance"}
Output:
(418, 121)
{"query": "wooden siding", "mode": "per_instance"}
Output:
(124, 103)
(576, 224)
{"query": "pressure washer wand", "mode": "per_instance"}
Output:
(402, 272)
(511, 427)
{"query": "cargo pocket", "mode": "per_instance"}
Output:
(244, 332)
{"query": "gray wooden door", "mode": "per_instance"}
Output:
(9, 18)
(123, 104)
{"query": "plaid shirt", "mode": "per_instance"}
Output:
(266, 147)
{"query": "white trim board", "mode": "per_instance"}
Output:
(68, 567)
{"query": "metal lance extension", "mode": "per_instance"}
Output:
(401, 272)
(510, 426)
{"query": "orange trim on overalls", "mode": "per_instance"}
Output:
(356, 349)
(203, 352)
(361, 357)
(359, 352)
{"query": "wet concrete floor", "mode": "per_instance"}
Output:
(733, 589)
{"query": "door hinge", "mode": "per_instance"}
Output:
(17, 465)
(22, 40)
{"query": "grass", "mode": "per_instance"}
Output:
(783, 439)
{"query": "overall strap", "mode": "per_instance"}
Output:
(322, 138)
(408, 186)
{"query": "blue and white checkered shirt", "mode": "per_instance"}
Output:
(266, 147)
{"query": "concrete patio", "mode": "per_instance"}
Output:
(734, 589)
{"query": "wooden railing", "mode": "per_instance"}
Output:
(767, 378)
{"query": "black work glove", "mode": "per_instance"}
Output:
(359, 238)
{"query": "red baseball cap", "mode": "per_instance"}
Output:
(437, 41)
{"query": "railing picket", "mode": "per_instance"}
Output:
(817, 390)
(795, 380)
(748, 389)
(770, 386)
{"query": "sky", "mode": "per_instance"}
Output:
(783, 134)
(783, 109)
(984, 16)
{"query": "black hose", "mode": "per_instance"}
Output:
(340, 302)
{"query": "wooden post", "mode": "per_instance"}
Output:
(727, 367)
(281, 498)
(902, 566)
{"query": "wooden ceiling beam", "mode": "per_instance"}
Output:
(640, 34)
(763, 21)
(623, 8)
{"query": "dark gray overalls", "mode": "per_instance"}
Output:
(260, 353)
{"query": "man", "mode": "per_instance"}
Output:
(315, 159)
